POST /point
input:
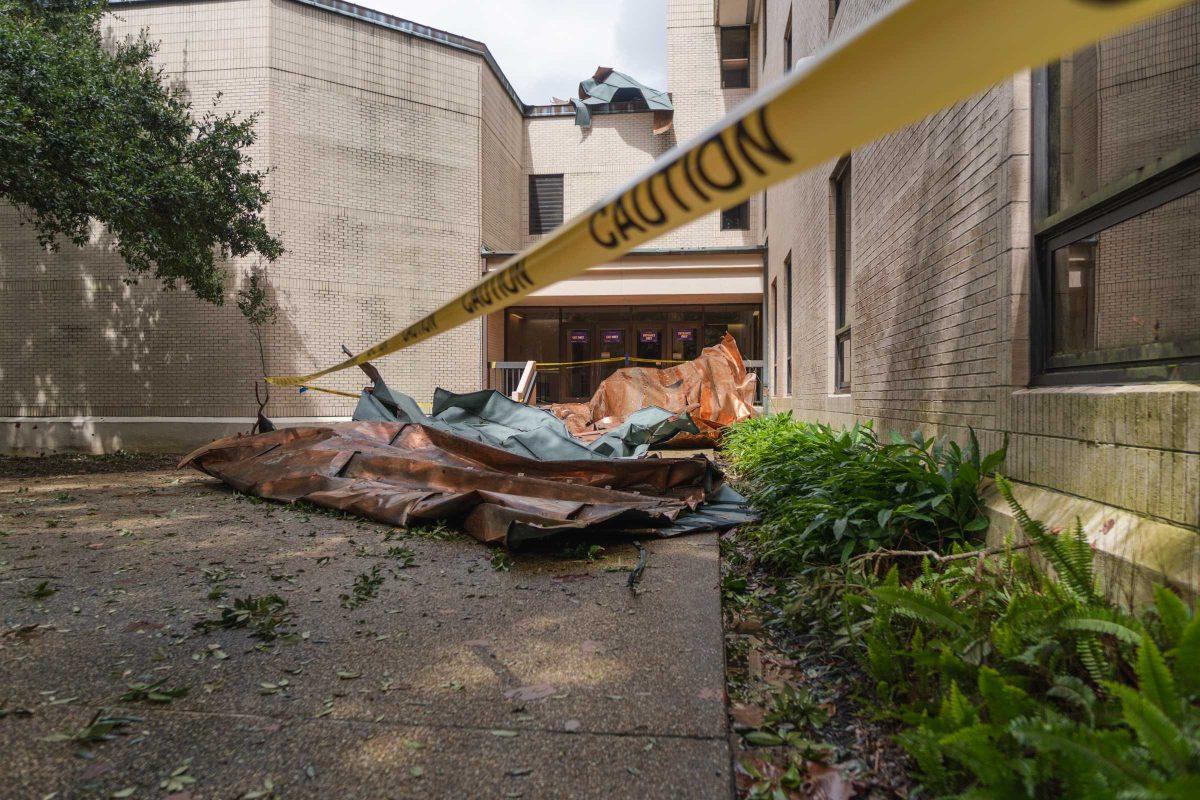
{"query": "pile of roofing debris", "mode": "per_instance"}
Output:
(511, 473)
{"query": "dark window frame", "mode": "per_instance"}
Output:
(787, 44)
(741, 69)
(1175, 175)
(842, 188)
(787, 299)
(538, 225)
(774, 291)
(764, 31)
(736, 218)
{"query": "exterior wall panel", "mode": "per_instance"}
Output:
(941, 242)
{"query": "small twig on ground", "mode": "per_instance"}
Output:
(938, 557)
(636, 575)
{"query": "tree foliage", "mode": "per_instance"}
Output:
(89, 129)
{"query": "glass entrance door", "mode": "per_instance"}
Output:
(649, 343)
(577, 380)
(685, 341)
(612, 345)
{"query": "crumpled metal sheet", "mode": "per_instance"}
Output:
(402, 473)
(609, 86)
(490, 417)
(714, 390)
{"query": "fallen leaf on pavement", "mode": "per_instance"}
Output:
(537, 691)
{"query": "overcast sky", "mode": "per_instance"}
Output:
(546, 47)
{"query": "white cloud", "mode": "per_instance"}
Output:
(546, 47)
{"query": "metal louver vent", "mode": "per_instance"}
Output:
(545, 203)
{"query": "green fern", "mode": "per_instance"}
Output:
(1100, 620)
(1094, 660)
(1155, 681)
(1070, 556)
(1187, 658)
(1075, 693)
(1173, 614)
(975, 748)
(1161, 737)
(957, 711)
(922, 607)
(1004, 702)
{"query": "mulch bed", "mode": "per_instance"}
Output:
(773, 643)
(81, 464)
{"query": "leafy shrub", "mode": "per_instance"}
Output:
(827, 495)
(1015, 683)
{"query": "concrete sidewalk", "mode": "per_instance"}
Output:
(456, 680)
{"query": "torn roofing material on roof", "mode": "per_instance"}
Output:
(608, 86)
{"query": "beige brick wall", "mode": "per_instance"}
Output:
(374, 140)
(617, 147)
(375, 145)
(502, 134)
(694, 80)
(77, 340)
(593, 161)
(940, 312)
(393, 160)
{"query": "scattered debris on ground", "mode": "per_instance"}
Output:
(508, 473)
(162, 635)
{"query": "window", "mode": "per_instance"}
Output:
(775, 335)
(735, 57)
(843, 279)
(1116, 296)
(787, 337)
(764, 30)
(787, 45)
(736, 218)
(545, 203)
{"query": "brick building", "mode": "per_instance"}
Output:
(1022, 263)
(401, 164)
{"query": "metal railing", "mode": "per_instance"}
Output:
(505, 376)
(755, 365)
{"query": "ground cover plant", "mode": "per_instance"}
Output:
(1005, 672)
(1015, 682)
(828, 495)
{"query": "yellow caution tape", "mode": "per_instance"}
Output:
(541, 364)
(305, 387)
(551, 365)
(912, 61)
(339, 392)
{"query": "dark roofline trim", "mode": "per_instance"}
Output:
(568, 110)
(405, 26)
(435, 35)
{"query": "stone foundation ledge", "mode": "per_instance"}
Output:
(38, 436)
(1132, 552)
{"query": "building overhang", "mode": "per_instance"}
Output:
(662, 277)
(729, 13)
